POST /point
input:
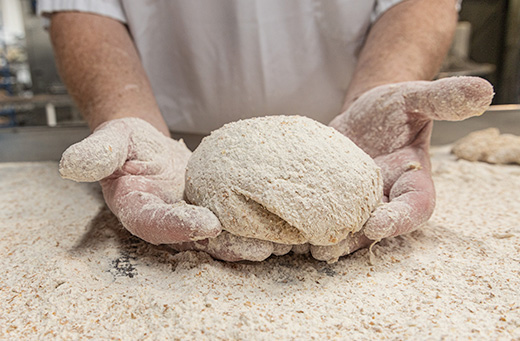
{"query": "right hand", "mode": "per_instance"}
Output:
(141, 172)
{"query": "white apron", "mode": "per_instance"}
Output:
(211, 62)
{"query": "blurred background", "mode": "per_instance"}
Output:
(38, 120)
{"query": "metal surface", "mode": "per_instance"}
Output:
(48, 143)
(38, 143)
(504, 117)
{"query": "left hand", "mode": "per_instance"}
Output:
(393, 124)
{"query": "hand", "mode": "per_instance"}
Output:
(231, 248)
(141, 172)
(393, 124)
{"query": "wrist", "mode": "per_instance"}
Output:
(357, 90)
(94, 122)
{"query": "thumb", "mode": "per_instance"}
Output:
(97, 156)
(451, 99)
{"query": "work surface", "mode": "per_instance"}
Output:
(68, 270)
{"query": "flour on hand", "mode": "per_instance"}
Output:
(285, 179)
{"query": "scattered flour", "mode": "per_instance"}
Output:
(69, 270)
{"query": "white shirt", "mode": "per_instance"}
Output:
(211, 62)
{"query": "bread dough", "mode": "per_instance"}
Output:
(286, 179)
(490, 146)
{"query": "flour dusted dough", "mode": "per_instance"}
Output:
(286, 179)
(490, 146)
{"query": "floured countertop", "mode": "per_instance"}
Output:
(68, 269)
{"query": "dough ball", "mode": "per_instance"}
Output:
(490, 146)
(285, 179)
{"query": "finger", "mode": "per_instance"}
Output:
(281, 249)
(394, 165)
(411, 158)
(412, 200)
(151, 218)
(301, 249)
(452, 99)
(230, 248)
(98, 155)
(331, 253)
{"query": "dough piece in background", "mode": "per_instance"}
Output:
(285, 179)
(490, 146)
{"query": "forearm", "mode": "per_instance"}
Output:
(408, 42)
(100, 66)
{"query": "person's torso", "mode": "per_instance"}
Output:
(212, 62)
